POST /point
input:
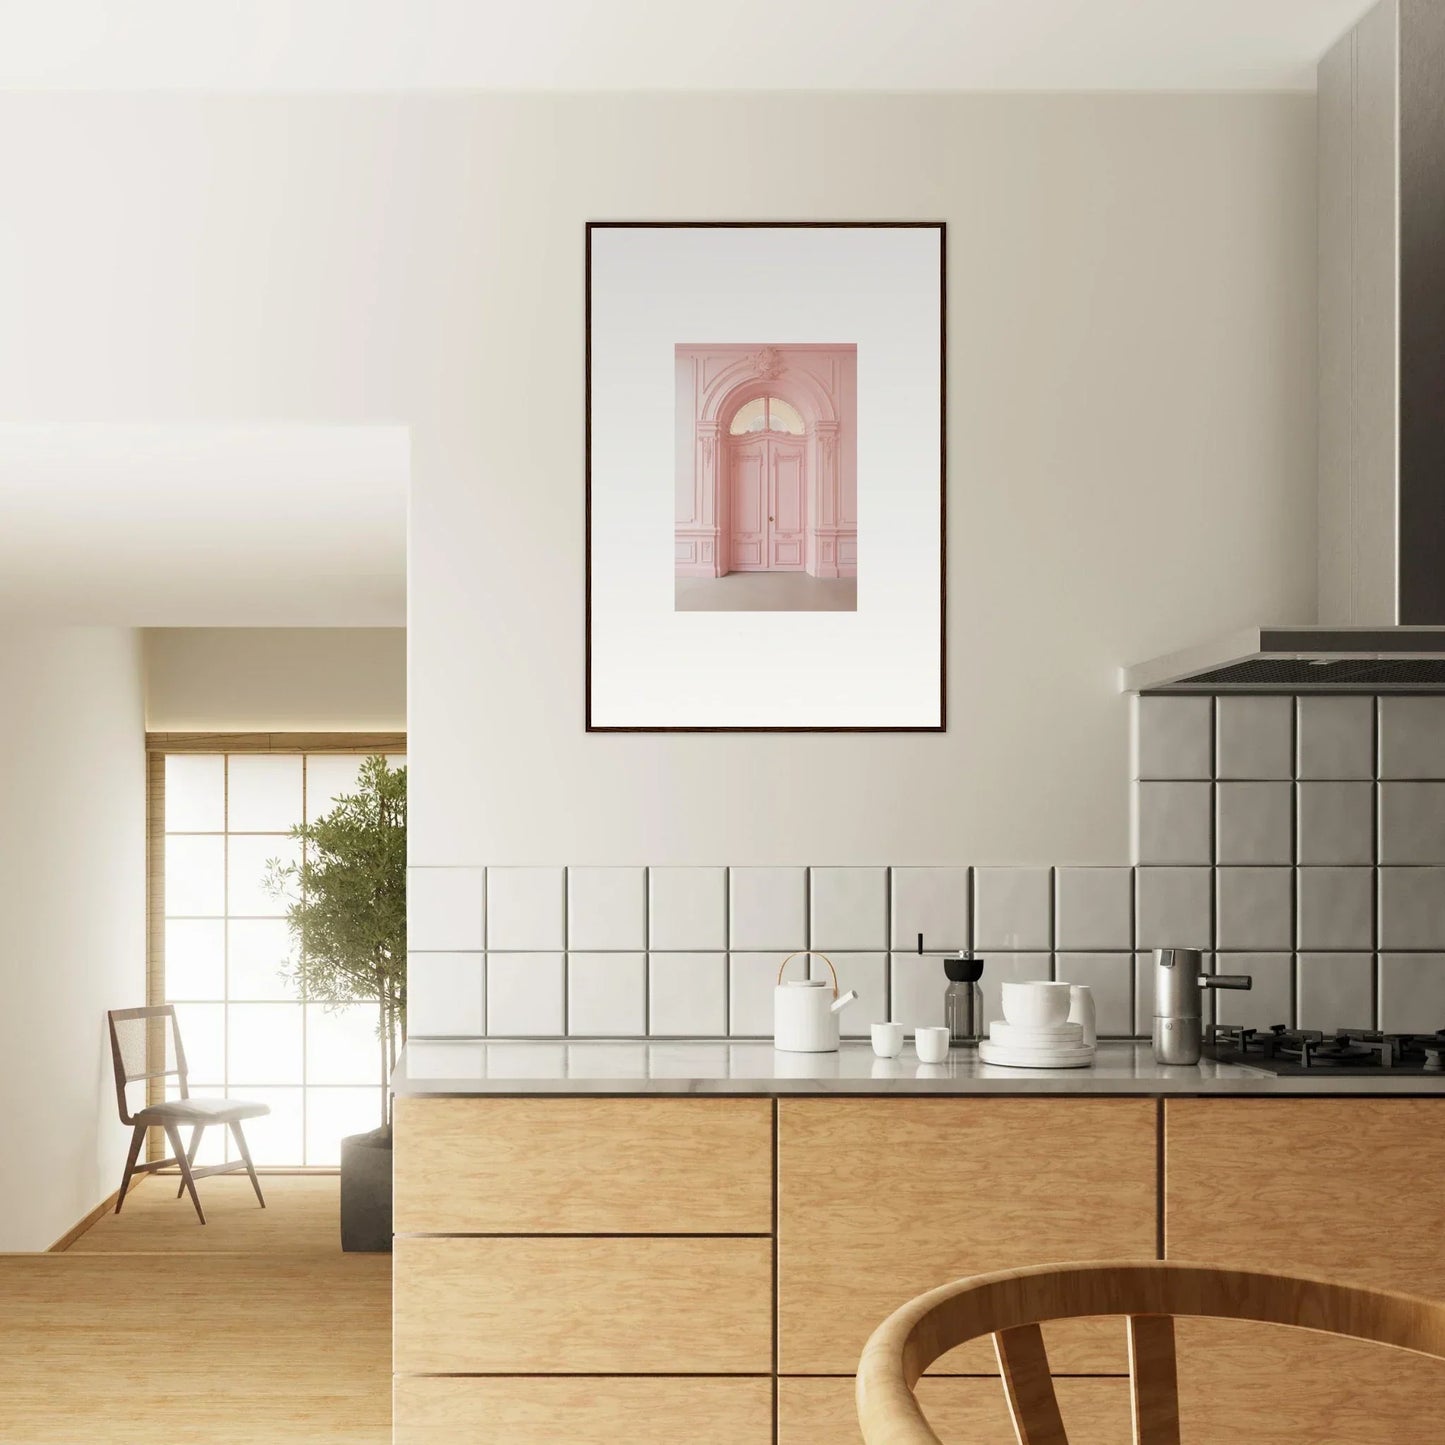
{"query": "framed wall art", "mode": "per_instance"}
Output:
(765, 476)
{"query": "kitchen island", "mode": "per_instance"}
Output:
(690, 1240)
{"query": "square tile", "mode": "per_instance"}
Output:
(917, 990)
(1336, 737)
(849, 907)
(1144, 994)
(1336, 991)
(607, 994)
(1094, 908)
(752, 977)
(688, 994)
(1173, 823)
(868, 974)
(1011, 908)
(1270, 998)
(444, 909)
(1412, 992)
(1254, 823)
(1412, 908)
(1336, 908)
(1336, 822)
(1173, 737)
(1111, 977)
(933, 902)
(1173, 908)
(1412, 737)
(525, 909)
(446, 995)
(1254, 909)
(525, 994)
(606, 909)
(1004, 968)
(1412, 822)
(687, 909)
(1254, 737)
(768, 908)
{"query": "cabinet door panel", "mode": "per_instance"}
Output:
(458, 1410)
(1095, 1411)
(584, 1166)
(879, 1200)
(1352, 1189)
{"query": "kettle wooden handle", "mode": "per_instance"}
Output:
(810, 953)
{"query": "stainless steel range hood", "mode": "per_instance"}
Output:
(1381, 119)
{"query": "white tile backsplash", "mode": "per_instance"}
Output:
(525, 909)
(917, 985)
(688, 993)
(1269, 999)
(606, 908)
(446, 995)
(525, 994)
(687, 908)
(1412, 992)
(1110, 977)
(444, 909)
(1336, 991)
(1174, 737)
(768, 908)
(867, 974)
(849, 908)
(1012, 908)
(1254, 737)
(606, 995)
(752, 977)
(1093, 909)
(933, 902)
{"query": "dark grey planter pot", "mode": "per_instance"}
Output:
(366, 1192)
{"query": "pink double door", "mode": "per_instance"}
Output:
(767, 497)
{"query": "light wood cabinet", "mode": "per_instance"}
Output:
(881, 1199)
(583, 1166)
(820, 1411)
(1352, 1189)
(566, 1306)
(594, 1411)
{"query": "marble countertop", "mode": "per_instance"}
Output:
(720, 1066)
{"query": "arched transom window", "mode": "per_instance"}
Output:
(766, 413)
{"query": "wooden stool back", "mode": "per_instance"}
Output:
(1011, 1305)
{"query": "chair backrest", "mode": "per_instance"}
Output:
(145, 1043)
(1011, 1305)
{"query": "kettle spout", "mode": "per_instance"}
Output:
(839, 1004)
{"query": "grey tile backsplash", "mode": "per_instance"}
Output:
(1297, 839)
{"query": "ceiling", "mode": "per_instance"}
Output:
(158, 526)
(339, 45)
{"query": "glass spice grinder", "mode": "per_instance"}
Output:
(963, 998)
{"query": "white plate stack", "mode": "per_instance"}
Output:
(1035, 1032)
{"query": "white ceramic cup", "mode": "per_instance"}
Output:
(1036, 1005)
(931, 1044)
(887, 1040)
(1082, 1012)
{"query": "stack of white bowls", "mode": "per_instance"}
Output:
(1035, 1031)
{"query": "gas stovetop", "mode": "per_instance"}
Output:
(1282, 1050)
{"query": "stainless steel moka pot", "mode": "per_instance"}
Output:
(1179, 984)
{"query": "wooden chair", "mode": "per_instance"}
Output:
(145, 1043)
(1011, 1304)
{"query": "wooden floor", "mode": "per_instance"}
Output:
(253, 1329)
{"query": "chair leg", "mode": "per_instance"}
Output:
(191, 1154)
(137, 1138)
(174, 1135)
(246, 1155)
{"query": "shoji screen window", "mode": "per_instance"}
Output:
(229, 961)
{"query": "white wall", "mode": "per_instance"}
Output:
(288, 679)
(1131, 411)
(72, 897)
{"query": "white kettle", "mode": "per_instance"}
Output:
(805, 1011)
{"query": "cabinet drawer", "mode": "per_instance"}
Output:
(573, 1306)
(614, 1411)
(879, 1200)
(1095, 1411)
(583, 1166)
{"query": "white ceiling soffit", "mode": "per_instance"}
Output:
(160, 526)
(349, 45)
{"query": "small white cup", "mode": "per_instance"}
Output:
(931, 1044)
(1081, 1011)
(887, 1040)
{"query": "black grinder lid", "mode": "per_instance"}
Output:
(963, 969)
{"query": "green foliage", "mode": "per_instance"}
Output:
(346, 901)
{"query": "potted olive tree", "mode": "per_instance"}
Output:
(346, 908)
